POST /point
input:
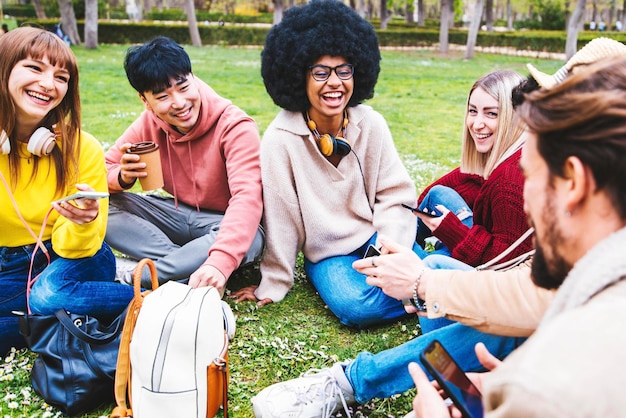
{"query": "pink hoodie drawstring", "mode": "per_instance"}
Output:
(193, 176)
(169, 161)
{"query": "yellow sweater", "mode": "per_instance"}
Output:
(34, 196)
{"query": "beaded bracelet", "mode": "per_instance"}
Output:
(420, 304)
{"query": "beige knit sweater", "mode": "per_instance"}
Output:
(322, 210)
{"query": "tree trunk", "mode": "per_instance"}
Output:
(278, 11)
(609, 23)
(134, 10)
(91, 24)
(594, 10)
(409, 10)
(571, 44)
(384, 14)
(489, 15)
(473, 30)
(68, 21)
(146, 7)
(444, 26)
(421, 10)
(39, 11)
(360, 8)
(623, 26)
(509, 15)
(194, 33)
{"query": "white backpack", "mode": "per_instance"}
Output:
(178, 353)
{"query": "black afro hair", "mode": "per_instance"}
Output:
(322, 27)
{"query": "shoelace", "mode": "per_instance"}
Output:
(333, 390)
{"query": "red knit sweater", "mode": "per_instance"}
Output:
(499, 218)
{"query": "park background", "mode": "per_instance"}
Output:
(422, 92)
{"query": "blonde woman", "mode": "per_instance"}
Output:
(480, 204)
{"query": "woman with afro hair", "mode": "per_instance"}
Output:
(332, 177)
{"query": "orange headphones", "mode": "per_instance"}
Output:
(328, 144)
(40, 143)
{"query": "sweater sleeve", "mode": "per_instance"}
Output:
(281, 219)
(499, 219)
(467, 185)
(69, 239)
(504, 303)
(113, 155)
(241, 220)
(392, 185)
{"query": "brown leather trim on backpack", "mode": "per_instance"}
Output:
(217, 383)
(123, 372)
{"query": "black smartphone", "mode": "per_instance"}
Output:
(461, 391)
(371, 251)
(432, 214)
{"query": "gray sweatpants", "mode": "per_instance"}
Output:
(177, 240)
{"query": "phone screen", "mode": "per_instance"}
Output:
(371, 251)
(432, 214)
(84, 195)
(452, 380)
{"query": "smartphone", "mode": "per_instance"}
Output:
(371, 251)
(432, 214)
(83, 195)
(465, 396)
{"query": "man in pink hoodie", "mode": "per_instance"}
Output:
(209, 224)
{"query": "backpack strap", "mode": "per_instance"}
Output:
(492, 264)
(122, 386)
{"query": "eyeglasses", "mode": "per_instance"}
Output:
(322, 72)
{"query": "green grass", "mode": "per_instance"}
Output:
(422, 95)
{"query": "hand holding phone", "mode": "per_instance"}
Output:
(432, 214)
(83, 195)
(453, 380)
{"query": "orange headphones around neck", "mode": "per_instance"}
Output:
(40, 143)
(328, 144)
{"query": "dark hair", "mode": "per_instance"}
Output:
(585, 117)
(149, 67)
(322, 27)
(527, 86)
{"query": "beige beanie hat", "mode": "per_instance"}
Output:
(594, 50)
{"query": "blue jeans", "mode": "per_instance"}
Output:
(177, 239)
(346, 293)
(370, 374)
(443, 262)
(386, 373)
(82, 286)
(448, 197)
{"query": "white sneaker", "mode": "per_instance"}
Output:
(124, 268)
(410, 415)
(318, 394)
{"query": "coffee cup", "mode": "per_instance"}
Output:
(149, 153)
